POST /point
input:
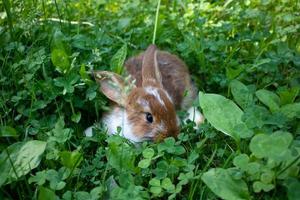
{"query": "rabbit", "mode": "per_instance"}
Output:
(146, 110)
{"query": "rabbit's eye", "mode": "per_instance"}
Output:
(149, 117)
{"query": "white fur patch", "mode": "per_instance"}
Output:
(154, 92)
(170, 99)
(195, 116)
(88, 132)
(118, 118)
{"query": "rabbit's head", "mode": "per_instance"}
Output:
(149, 109)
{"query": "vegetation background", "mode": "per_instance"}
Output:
(245, 52)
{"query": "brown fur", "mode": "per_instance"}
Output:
(175, 75)
(161, 114)
(161, 81)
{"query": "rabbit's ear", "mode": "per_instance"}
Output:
(112, 86)
(150, 71)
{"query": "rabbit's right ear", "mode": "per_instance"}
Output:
(112, 86)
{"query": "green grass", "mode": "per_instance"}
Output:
(247, 53)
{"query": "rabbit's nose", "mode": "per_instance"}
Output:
(170, 133)
(161, 136)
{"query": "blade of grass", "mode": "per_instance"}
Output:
(288, 166)
(198, 181)
(156, 22)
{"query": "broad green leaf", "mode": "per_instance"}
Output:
(81, 41)
(124, 22)
(67, 195)
(167, 144)
(59, 41)
(67, 83)
(259, 186)
(119, 154)
(291, 110)
(267, 176)
(56, 178)
(253, 168)
(91, 92)
(60, 51)
(39, 178)
(83, 74)
(58, 186)
(37, 105)
(268, 98)
(19, 159)
(272, 146)
(125, 179)
(262, 62)
(223, 185)
(148, 153)
(46, 194)
(81, 195)
(167, 184)
(184, 178)
(170, 141)
(97, 192)
(155, 186)
(255, 116)
(293, 186)
(5, 165)
(162, 169)
(60, 60)
(298, 46)
(154, 182)
(117, 61)
(232, 73)
(70, 159)
(144, 163)
(241, 93)
(242, 131)
(8, 131)
(76, 117)
(60, 134)
(178, 150)
(223, 114)
(155, 190)
(241, 161)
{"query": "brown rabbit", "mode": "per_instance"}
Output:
(146, 110)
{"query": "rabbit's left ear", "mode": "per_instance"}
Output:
(112, 86)
(150, 71)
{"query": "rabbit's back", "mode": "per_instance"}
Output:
(175, 77)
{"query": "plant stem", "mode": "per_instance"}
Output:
(59, 16)
(156, 22)
(72, 107)
(7, 7)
